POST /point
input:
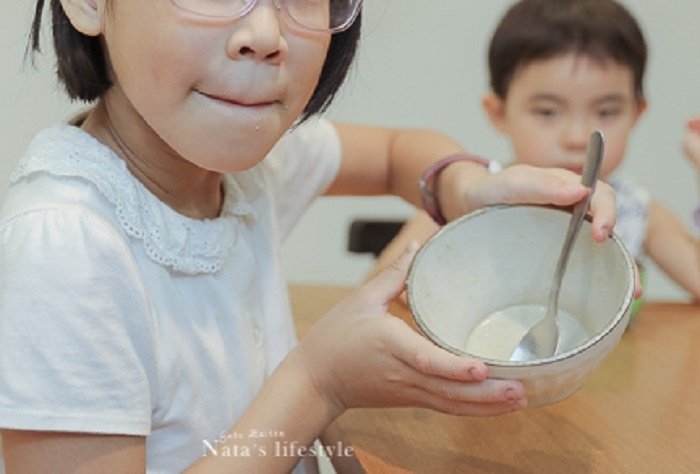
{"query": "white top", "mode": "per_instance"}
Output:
(632, 214)
(119, 315)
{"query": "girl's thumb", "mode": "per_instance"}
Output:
(389, 283)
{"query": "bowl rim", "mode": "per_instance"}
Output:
(614, 322)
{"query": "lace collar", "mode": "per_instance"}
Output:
(171, 239)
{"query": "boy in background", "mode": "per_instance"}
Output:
(560, 69)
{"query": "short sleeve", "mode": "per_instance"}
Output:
(76, 341)
(300, 168)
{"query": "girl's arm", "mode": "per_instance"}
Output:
(673, 249)
(357, 355)
(391, 161)
(288, 403)
(37, 452)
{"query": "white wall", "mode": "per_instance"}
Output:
(422, 63)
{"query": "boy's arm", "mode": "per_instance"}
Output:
(673, 249)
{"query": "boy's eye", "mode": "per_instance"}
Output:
(608, 113)
(545, 111)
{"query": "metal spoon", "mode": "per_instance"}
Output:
(542, 340)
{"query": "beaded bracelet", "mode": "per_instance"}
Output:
(429, 195)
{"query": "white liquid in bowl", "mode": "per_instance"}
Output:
(499, 333)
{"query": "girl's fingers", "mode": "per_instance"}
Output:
(487, 391)
(425, 357)
(475, 409)
(390, 282)
(563, 188)
(603, 210)
(602, 207)
(540, 186)
(428, 399)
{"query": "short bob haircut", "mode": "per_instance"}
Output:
(82, 69)
(533, 30)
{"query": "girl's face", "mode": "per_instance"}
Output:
(220, 94)
(553, 105)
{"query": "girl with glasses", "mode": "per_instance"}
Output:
(144, 321)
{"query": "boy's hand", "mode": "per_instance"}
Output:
(358, 355)
(691, 143)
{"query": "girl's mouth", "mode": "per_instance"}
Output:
(246, 103)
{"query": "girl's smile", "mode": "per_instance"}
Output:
(249, 105)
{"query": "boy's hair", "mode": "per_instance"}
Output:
(82, 69)
(533, 30)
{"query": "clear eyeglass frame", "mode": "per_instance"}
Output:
(229, 10)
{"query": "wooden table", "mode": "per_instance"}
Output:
(639, 412)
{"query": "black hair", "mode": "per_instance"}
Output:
(82, 68)
(533, 30)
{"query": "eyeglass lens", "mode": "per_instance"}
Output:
(319, 15)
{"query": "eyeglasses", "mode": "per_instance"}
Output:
(330, 16)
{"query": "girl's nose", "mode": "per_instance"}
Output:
(258, 35)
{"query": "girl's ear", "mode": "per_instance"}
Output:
(495, 109)
(85, 15)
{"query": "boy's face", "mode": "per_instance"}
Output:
(553, 105)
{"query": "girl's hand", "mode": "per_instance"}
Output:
(691, 143)
(358, 355)
(524, 184)
(520, 184)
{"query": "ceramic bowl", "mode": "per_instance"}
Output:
(503, 256)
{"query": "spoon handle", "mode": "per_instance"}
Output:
(589, 178)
